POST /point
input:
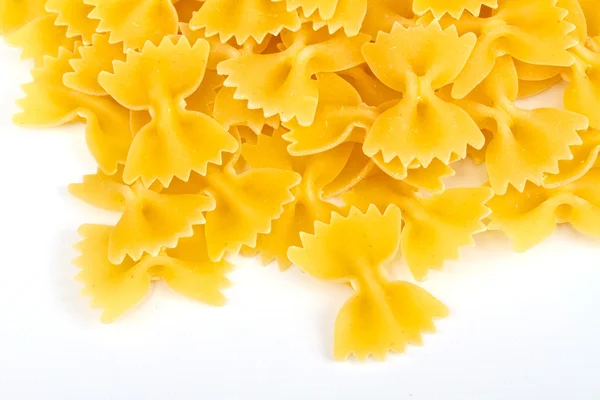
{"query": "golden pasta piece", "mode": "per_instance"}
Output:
(585, 157)
(357, 167)
(453, 7)
(286, 87)
(382, 315)
(95, 58)
(115, 288)
(435, 227)
(218, 51)
(383, 14)
(133, 22)
(74, 15)
(530, 216)
(339, 112)
(150, 221)
(582, 95)
(532, 31)
(176, 141)
(244, 19)
(526, 144)
(308, 205)
(422, 126)
(49, 102)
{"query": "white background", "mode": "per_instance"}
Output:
(522, 326)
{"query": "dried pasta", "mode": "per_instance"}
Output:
(319, 134)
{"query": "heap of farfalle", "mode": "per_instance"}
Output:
(315, 133)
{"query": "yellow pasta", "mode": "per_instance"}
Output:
(117, 287)
(49, 102)
(526, 144)
(528, 217)
(315, 133)
(286, 87)
(436, 227)
(382, 315)
(416, 62)
(176, 140)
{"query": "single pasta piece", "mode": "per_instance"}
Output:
(308, 204)
(244, 19)
(532, 31)
(526, 144)
(382, 315)
(150, 221)
(339, 113)
(133, 22)
(422, 126)
(115, 288)
(73, 14)
(49, 102)
(176, 141)
(530, 216)
(285, 86)
(453, 7)
(435, 227)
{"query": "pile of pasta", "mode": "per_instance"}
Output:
(315, 133)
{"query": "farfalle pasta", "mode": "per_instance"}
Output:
(382, 315)
(317, 134)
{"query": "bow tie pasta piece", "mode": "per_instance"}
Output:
(416, 62)
(95, 58)
(49, 102)
(383, 14)
(453, 7)
(531, 216)
(340, 110)
(244, 19)
(435, 227)
(585, 157)
(382, 315)
(308, 205)
(285, 86)
(74, 15)
(532, 31)
(526, 144)
(28, 26)
(176, 141)
(150, 220)
(582, 95)
(133, 22)
(115, 288)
